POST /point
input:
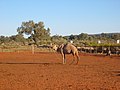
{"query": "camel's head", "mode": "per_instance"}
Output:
(57, 48)
(54, 47)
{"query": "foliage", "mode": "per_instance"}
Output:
(83, 36)
(4, 39)
(39, 35)
(58, 39)
(85, 39)
(18, 38)
(36, 31)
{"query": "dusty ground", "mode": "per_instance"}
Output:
(44, 71)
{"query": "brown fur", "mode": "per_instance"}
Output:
(67, 49)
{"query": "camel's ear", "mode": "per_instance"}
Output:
(51, 45)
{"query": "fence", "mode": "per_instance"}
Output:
(100, 49)
(31, 49)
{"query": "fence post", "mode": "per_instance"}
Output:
(33, 49)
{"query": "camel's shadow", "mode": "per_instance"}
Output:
(39, 63)
(117, 73)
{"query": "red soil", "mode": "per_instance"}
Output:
(45, 71)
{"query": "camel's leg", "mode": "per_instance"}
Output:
(63, 56)
(73, 58)
(78, 58)
(64, 59)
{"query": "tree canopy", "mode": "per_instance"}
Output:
(37, 31)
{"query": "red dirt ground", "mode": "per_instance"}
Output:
(45, 71)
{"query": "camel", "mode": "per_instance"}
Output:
(67, 49)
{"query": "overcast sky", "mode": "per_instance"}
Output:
(63, 17)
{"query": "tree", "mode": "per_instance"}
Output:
(58, 39)
(36, 31)
(116, 36)
(18, 38)
(4, 39)
(83, 36)
(71, 37)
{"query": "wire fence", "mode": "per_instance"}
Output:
(32, 49)
(87, 49)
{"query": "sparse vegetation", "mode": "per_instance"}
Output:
(38, 35)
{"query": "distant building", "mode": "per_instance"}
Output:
(118, 41)
(99, 41)
(71, 41)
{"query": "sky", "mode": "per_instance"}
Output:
(63, 17)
